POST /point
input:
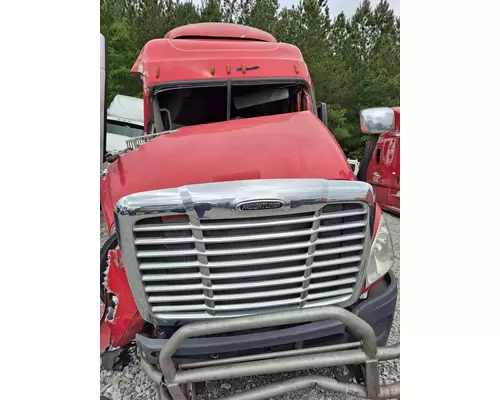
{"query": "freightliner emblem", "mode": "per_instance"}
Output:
(260, 205)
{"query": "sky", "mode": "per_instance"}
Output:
(336, 6)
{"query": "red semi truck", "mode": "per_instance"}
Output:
(383, 171)
(241, 243)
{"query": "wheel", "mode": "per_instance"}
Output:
(110, 244)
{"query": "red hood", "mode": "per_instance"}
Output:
(294, 145)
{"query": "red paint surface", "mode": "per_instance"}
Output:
(384, 176)
(294, 145)
(127, 321)
(193, 59)
(218, 30)
(180, 59)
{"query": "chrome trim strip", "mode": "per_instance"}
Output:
(216, 201)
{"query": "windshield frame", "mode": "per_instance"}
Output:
(228, 83)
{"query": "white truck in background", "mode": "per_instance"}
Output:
(124, 121)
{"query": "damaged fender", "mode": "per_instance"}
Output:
(120, 320)
(105, 332)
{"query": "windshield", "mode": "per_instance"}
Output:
(199, 104)
(124, 129)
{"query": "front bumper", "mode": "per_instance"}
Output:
(176, 378)
(378, 310)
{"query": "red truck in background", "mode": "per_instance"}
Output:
(241, 243)
(383, 171)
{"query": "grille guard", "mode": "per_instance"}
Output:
(177, 383)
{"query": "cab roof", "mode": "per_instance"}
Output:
(217, 51)
(220, 31)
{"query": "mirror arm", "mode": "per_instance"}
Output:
(322, 113)
(363, 167)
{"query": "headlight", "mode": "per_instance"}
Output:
(381, 255)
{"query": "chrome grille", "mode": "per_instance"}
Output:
(192, 267)
(199, 251)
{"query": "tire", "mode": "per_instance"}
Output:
(110, 244)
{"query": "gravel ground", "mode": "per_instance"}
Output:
(132, 383)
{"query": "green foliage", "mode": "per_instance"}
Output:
(210, 11)
(354, 62)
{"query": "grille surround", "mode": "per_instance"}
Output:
(212, 208)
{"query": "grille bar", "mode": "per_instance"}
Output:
(243, 238)
(256, 273)
(166, 266)
(202, 315)
(243, 306)
(332, 293)
(236, 286)
(335, 272)
(338, 261)
(259, 261)
(232, 275)
(246, 224)
(257, 284)
(178, 287)
(261, 249)
(177, 298)
(238, 296)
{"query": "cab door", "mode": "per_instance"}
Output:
(377, 173)
(393, 196)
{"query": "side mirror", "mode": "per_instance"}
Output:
(323, 113)
(104, 78)
(378, 120)
(374, 121)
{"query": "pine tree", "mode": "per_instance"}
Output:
(354, 62)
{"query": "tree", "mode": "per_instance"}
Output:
(210, 11)
(354, 62)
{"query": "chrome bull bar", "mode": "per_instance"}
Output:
(177, 383)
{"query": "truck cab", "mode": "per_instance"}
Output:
(237, 226)
(383, 171)
(125, 120)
